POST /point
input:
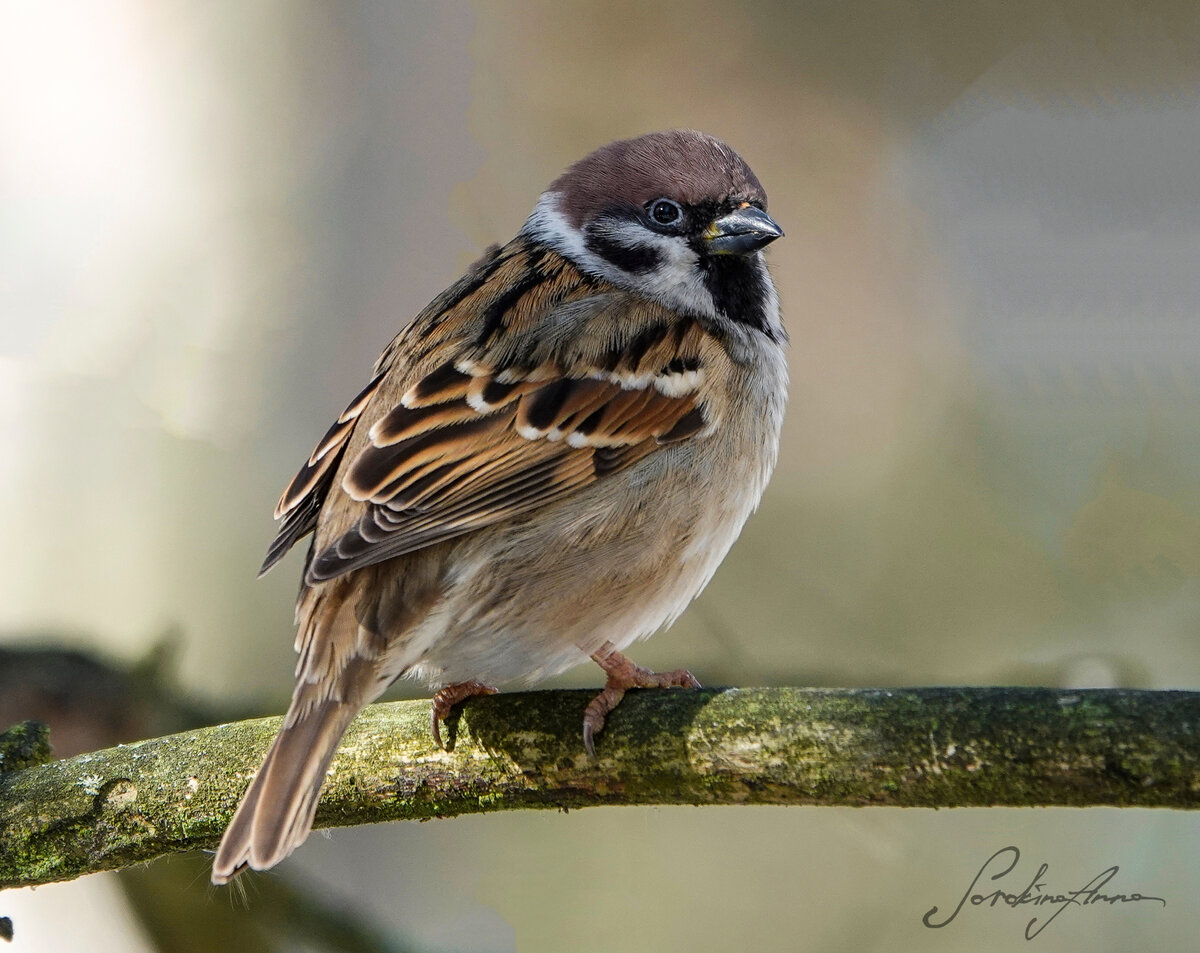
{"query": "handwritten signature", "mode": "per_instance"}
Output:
(1035, 893)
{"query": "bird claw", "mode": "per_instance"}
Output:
(622, 676)
(446, 698)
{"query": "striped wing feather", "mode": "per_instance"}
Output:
(513, 401)
(300, 503)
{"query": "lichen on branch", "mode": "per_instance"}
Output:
(933, 747)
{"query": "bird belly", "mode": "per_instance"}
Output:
(532, 597)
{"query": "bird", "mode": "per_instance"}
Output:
(548, 462)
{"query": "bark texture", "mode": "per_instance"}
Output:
(930, 747)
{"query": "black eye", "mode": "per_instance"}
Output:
(665, 212)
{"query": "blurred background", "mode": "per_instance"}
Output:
(213, 217)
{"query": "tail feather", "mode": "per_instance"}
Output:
(338, 674)
(276, 813)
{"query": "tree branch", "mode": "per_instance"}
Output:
(935, 747)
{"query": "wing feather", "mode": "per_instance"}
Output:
(300, 504)
(526, 382)
(495, 464)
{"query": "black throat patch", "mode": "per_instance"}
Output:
(738, 285)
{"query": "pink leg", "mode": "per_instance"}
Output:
(622, 676)
(445, 699)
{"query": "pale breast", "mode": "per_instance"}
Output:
(536, 596)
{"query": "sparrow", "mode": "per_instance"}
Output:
(547, 464)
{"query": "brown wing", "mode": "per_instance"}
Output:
(477, 451)
(519, 387)
(301, 501)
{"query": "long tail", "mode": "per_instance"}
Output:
(277, 810)
(336, 676)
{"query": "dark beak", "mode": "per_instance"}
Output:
(742, 231)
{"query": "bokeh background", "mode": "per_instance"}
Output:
(213, 216)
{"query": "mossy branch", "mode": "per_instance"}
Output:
(935, 747)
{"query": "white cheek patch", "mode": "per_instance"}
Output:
(675, 281)
(548, 225)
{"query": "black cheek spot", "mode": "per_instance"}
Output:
(634, 259)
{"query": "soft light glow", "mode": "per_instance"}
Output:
(75, 100)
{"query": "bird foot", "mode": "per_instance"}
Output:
(622, 676)
(446, 698)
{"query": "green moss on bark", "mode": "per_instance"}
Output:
(24, 745)
(901, 747)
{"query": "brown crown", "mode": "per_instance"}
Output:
(680, 164)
